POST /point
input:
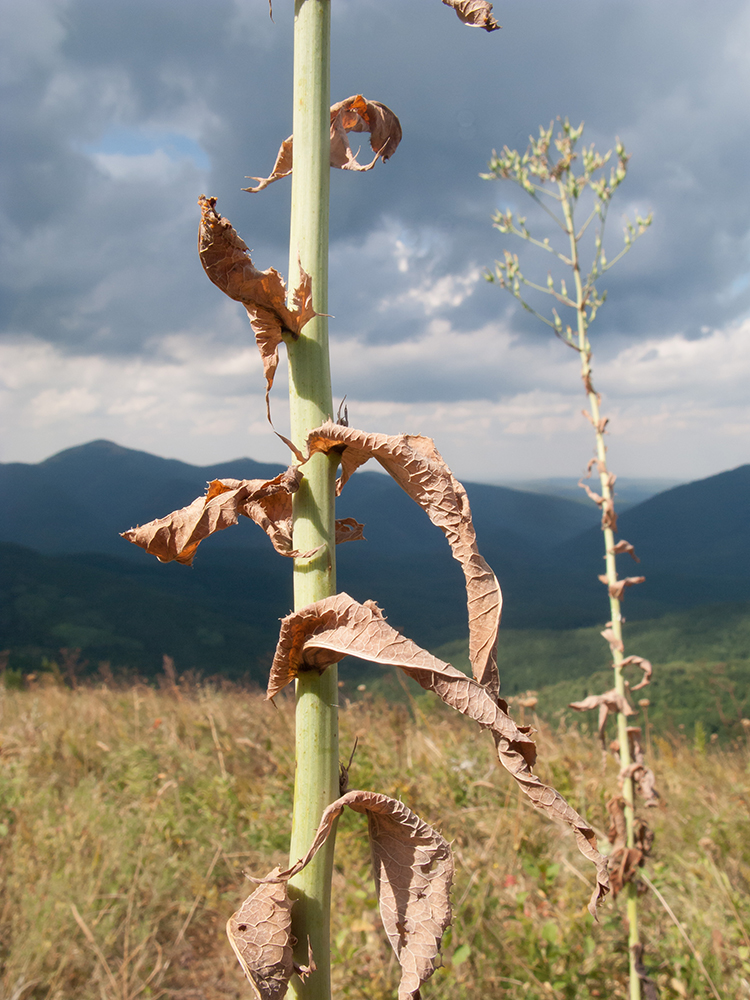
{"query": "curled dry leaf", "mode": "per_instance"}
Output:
(476, 13)
(623, 546)
(349, 530)
(617, 589)
(615, 644)
(418, 468)
(413, 869)
(645, 665)
(609, 515)
(226, 261)
(325, 632)
(623, 860)
(608, 703)
(268, 503)
(260, 933)
(639, 772)
(355, 114)
(599, 425)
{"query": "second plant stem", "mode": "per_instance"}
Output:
(316, 777)
(628, 791)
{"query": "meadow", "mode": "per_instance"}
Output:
(130, 815)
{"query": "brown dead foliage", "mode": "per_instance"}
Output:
(226, 261)
(645, 665)
(326, 631)
(609, 515)
(268, 503)
(260, 933)
(413, 869)
(418, 468)
(623, 546)
(355, 114)
(624, 861)
(609, 703)
(615, 644)
(617, 589)
(477, 13)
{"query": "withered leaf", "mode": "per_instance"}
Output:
(476, 13)
(623, 546)
(599, 425)
(413, 869)
(355, 114)
(608, 703)
(645, 665)
(642, 775)
(268, 503)
(326, 631)
(261, 937)
(615, 644)
(349, 530)
(624, 861)
(609, 515)
(617, 589)
(418, 468)
(226, 261)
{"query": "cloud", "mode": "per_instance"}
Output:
(117, 116)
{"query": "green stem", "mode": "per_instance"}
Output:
(628, 791)
(316, 777)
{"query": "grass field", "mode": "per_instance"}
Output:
(128, 817)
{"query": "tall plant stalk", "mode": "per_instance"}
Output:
(547, 182)
(317, 774)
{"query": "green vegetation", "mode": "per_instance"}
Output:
(143, 809)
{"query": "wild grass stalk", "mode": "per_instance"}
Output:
(81, 797)
(549, 179)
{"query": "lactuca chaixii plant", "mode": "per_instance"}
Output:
(546, 173)
(282, 928)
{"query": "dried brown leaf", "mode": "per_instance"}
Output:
(599, 425)
(268, 503)
(355, 114)
(615, 644)
(617, 589)
(325, 632)
(260, 933)
(418, 468)
(596, 497)
(624, 861)
(623, 546)
(349, 530)
(476, 13)
(645, 781)
(413, 870)
(226, 261)
(645, 665)
(608, 703)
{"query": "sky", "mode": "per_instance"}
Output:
(117, 114)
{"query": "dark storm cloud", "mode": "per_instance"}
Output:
(101, 257)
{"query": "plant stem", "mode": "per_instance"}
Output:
(628, 791)
(316, 778)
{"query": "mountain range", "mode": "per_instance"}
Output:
(70, 580)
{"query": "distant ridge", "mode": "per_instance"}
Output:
(694, 541)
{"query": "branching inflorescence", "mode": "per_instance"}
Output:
(545, 172)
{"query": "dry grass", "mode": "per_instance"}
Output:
(128, 818)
